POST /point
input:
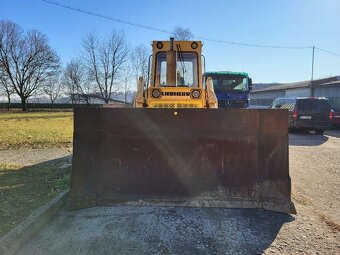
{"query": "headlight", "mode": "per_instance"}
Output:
(156, 93)
(194, 45)
(159, 45)
(196, 93)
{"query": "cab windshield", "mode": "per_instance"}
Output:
(186, 70)
(230, 83)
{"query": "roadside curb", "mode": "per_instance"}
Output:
(19, 236)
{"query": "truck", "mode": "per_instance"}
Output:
(231, 88)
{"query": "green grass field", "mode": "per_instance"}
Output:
(35, 130)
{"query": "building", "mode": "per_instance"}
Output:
(327, 87)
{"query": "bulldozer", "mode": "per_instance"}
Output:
(176, 148)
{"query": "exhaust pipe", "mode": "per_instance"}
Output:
(171, 43)
(171, 65)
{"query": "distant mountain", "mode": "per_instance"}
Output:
(67, 99)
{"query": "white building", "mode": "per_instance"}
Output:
(327, 87)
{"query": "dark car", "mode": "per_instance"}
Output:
(306, 113)
(334, 118)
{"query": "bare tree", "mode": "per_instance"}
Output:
(27, 59)
(72, 77)
(182, 34)
(52, 89)
(139, 61)
(126, 79)
(104, 60)
(6, 88)
(75, 83)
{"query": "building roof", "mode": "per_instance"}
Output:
(331, 81)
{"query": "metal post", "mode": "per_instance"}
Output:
(125, 96)
(311, 82)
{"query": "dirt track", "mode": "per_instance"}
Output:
(315, 173)
(25, 157)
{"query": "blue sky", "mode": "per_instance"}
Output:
(268, 22)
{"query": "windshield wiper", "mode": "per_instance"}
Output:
(179, 50)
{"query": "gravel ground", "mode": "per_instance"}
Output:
(157, 230)
(315, 173)
(26, 157)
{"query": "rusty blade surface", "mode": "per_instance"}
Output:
(189, 157)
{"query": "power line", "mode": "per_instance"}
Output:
(329, 52)
(256, 45)
(168, 32)
(106, 17)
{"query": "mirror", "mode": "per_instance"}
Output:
(250, 84)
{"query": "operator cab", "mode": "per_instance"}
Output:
(184, 56)
(176, 78)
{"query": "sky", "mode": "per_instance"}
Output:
(262, 22)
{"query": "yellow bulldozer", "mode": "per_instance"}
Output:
(175, 148)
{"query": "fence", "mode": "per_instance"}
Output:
(48, 106)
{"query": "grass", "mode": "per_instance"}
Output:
(35, 130)
(24, 189)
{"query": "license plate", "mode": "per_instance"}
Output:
(305, 117)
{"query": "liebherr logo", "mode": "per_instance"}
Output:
(175, 93)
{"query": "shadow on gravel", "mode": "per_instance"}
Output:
(158, 230)
(24, 189)
(305, 138)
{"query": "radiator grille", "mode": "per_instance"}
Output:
(175, 105)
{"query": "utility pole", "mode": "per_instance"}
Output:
(125, 94)
(311, 81)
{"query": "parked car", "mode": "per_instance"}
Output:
(306, 113)
(334, 118)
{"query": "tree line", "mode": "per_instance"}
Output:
(29, 66)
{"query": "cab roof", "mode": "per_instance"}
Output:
(227, 73)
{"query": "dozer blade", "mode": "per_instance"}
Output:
(233, 158)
